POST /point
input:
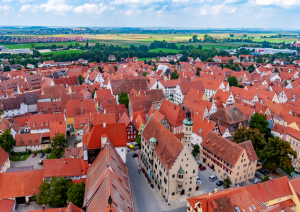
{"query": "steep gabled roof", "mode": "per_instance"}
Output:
(229, 115)
(172, 112)
(165, 138)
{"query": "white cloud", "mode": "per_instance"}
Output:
(50, 5)
(92, 8)
(5, 8)
(216, 9)
(136, 1)
(6, 0)
(282, 3)
(133, 12)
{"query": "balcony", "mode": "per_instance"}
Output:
(179, 189)
(180, 180)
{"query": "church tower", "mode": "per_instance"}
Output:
(187, 130)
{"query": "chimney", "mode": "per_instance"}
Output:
(208, 121)
(43, 208)
(104, 124)
(209, 194)
(216, 189)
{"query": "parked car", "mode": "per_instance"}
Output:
(202, 168)
(34, 154)
(40, 162)
(255, 180)
(219, 183)
(212, 178)
(42, 155)
(263, 171)
(257, 175)
(198, 179)
(293, 174)
(135, 155)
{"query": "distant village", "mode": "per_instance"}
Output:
(182, 135)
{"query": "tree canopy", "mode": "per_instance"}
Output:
(276, 154)
(259, 122)
(54, 192)
(80, 79)
(174, 74)
(76, 194)
(123, 99)
(7, 141)
(244, 134)
(233, 81)
(58, 144)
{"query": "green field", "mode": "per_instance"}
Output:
(62, 52)
(165, 50)
(28, 45)
(145, 58)
(19, 156)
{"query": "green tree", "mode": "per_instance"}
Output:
(145, 73)
(172, 62)
(233, 81)
(6, 68)
(7, 141)
(77, 45)
(208, 59)
(76, 194)
(245, 35)
(138, 139)
(260, 59)
(87, 45)
(265, 178)
(100, 69)
(276, 154)
(196, 150)
(244, 134)
(194, 37)
(123, 99)
(58, 144)
(230, 61)
(227, 182)
(32, 45)
(93, 94)
(80, 79)
(198, 71)
(54, 192)
(251, 68)
(116, 68)
(174, 74)
(231, 35)
(260, 122)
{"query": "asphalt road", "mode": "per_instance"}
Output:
(30, 161)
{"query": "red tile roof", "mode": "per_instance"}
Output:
(108, 176)
(116, 134)
(28, 139)
(248, 146)
(172, 112)
(57, 127)
(42, 121)
(219, 146)
(202, 126)
(19, 184)
(270, 190)
(3, 156)
(165, 138)
(7, 205)
(66, 81)
(64, 167)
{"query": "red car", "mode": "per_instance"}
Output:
(34, 154)
(202, 168)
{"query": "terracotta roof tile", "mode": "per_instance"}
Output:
(172, 112)
(3, 156)
(28, 139)
(19, 184)
(165, 138)
(7, 205)
(248, 146)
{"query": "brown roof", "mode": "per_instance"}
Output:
(164, 138)
(108, 118)
(187, 85)
(66, 81)
(248, 146)
(220, 146)
(20, 184)
(126, 85)
(229, 115)
(155, 95)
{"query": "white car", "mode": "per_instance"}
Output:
(255, 181)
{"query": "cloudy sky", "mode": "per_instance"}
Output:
(153, 13)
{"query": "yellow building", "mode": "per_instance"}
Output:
(293, 138)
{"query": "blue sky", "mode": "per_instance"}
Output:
(153, 13)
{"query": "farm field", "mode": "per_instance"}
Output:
(145, 58)
(28, 45)
(165, 50)
(62, 52)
